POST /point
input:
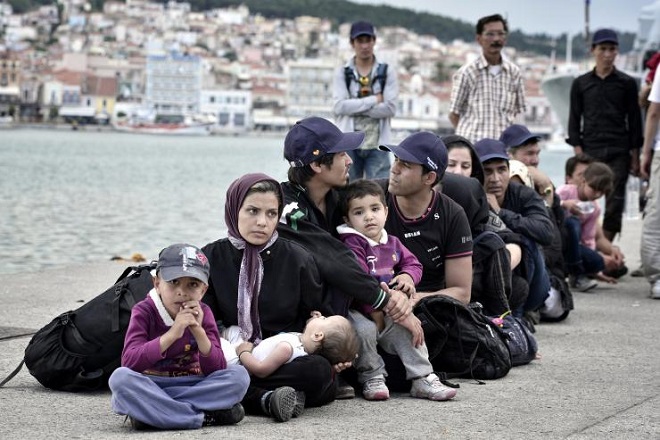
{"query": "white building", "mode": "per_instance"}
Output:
(173, 84)
(309, 88)
(231, 109)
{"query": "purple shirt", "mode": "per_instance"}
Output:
(142, 343)
(383, 260)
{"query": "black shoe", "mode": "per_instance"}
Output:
(344, 390)
(281, 403)
(229, 416)
(140, 426)
(300, 404)
(637, 273)
(616, 273)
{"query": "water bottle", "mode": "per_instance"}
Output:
(632, 198)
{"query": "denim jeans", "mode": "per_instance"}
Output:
(537, 277)
(579, 258)
(369, 164)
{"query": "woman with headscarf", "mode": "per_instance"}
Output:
(265, 285)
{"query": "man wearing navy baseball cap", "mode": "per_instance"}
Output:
(430, 224)
(317, 152)
(365, 99)
(523, 211)
(605, 122)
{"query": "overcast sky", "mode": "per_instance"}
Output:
(552, 17)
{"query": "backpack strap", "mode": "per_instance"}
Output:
(348, 76)
(13, 373)
(381, 76)
(122, 291)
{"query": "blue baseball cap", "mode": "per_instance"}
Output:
(517, 135)
(362, 28)
(605, 36)
(312, 138)
(488, 149)
(423, 148)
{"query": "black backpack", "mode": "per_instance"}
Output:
(79, 349)
(461, 340)
(520, 340)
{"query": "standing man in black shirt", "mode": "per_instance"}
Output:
(605, 122)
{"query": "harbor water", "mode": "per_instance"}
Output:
(70, 197)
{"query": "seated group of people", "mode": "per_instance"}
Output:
(318, 279)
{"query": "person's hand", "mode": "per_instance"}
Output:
(379, 98)
(608, 279)
(414, 325)
(184, 319)
(577, 150)
(617, 255)
(634, 165)
(645, 167)
(341, 366)
(493, 203)
(571, 206)
(195, 309)
(244, 346)
(398, 307)
(404, 283)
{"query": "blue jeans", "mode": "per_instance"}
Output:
(537, 277)
(579, 258)
(369, 164)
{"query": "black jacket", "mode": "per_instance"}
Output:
(524, 212)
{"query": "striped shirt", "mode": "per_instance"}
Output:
(486, 103)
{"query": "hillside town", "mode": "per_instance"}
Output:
(233, 70)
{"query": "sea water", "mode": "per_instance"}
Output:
(69, 197)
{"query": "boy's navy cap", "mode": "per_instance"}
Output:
(488, 149)
(362, 28)
(314, 137)
(183, 260)
(516, 135)
(605, 36)
(423, 148)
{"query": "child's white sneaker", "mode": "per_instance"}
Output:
(375, 389)
(431, 388)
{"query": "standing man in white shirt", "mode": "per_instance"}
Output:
(487, 94)
(650, 169)
(364, 94)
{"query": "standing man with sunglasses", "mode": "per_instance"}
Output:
(488, 93)
(365, 93)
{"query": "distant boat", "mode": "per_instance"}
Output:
(169, 125)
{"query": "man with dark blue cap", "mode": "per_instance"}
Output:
(365, 99)
(605, 122)
(430, 224)
(522, 210)
(317, 152)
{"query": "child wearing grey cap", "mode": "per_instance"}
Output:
(174, 374)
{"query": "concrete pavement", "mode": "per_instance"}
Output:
(598, 377)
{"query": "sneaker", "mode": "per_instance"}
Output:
(220, 417)
(431, 388)
(375, 389)
(344, 390)
(138, 425)
(582, 283)
(655, 290)
(637, 273)
(300, 404)
(281, 403)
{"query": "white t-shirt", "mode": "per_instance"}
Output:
(230, 338)
(654, 96)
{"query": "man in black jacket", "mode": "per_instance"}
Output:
(316, 151)
(522, 210)
(605, 122)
